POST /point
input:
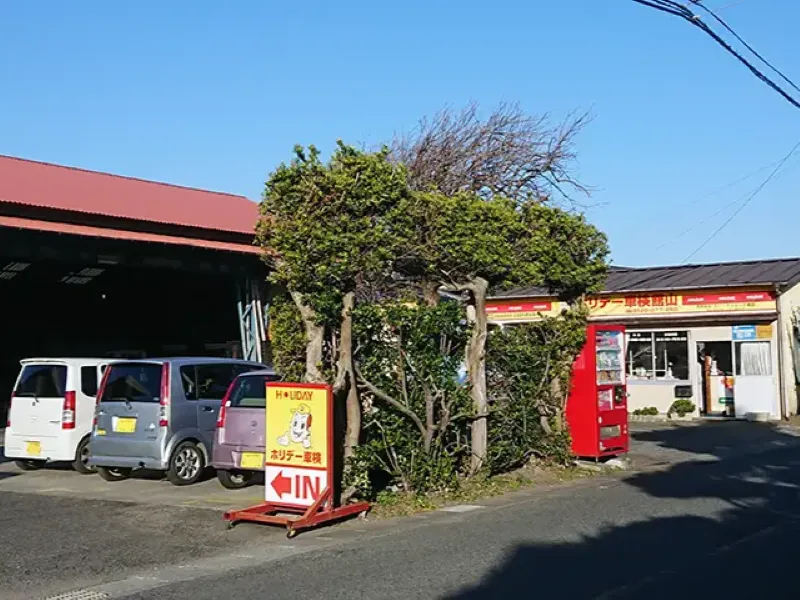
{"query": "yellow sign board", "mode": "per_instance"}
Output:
(638, 305)
(297, 425)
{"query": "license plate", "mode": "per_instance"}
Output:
(124, 425)
(252, 460)
(33, 448)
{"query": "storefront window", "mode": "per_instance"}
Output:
(661, 355)
(640, 355)
(753, 359)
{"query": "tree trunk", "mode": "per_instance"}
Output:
(346, 377)
(315, 334)
(430, 293)
(476, 372)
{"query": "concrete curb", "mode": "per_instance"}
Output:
(660, 418)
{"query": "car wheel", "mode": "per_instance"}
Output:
(81, 463)
(235, 480)
(186, 464)
(29, 465)
(114, 473)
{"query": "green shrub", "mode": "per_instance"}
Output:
(681, 407)
(647, 411)
(528, 369)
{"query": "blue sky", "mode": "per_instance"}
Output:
(193, 93)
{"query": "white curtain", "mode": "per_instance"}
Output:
(754, 359)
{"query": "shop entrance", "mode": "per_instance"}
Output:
(716, 378)
(736, 377)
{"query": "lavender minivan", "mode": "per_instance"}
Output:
(238, 452)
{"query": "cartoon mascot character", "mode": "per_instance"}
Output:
(299, 428)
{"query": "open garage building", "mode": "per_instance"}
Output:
(97, 265)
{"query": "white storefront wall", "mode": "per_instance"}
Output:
(660, 393)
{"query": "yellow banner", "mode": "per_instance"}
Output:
(297, 425)
(680, 303)
(635, 305)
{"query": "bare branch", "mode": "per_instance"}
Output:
(381, 395)
(509, 153)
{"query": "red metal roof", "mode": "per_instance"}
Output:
(121, 234)
(45, 185)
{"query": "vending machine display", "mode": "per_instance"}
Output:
(597, 411)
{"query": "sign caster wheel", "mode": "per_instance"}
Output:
(291, 533)
(363, 515)
(228, 526)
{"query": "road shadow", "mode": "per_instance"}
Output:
(746, 550)
(716, 438)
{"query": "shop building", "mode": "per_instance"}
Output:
(724, 335)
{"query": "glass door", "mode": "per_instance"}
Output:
(610, 349)
(754, 384)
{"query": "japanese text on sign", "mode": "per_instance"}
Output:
(642, 304)
(297, 426)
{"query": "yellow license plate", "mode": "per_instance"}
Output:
(33, 448)
(125, 425)
(252, 460)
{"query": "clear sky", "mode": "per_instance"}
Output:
(214, 95)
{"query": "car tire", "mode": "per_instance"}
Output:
(114, 473)
(81, 464)
(234, 480)
(29, 465)
(186, 465)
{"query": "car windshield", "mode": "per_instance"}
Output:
(250, 391)
(42, 381)
(133, 382)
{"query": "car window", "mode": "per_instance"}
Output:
(42, 381)
(251, 391)
(133, 382)
(89, 381)
(188, 375)
(213, 380)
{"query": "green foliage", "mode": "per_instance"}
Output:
(647, 411)
(287, 338)
(453, 239)
(681, 407)
(528, 370)
(561, 252)
(411, 354)
(325, 228)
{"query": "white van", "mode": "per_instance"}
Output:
(52, 410)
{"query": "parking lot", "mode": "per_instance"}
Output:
(61, 530)
(144, 488)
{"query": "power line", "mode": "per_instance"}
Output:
(755, 192)
(679, 10)
(723, 208)
(744, 43)
(731, 5)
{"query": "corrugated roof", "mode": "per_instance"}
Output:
(784, 272)
(44, 185)
(121, 234)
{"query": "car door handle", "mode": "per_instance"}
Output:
(208, 408)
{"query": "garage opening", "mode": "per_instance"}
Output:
(96, 307)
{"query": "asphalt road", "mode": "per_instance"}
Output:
(49, 544)
(726, 529)
(712, 522)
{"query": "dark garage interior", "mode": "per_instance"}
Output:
(73, 296)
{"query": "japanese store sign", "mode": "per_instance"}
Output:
(634, 305)
(678, 303)
(298, 443)
(522, 311)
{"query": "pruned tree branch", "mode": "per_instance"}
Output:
(381, 395)
(509, 153)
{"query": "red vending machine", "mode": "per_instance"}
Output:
(597, 407)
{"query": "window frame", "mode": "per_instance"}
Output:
(652, 372)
